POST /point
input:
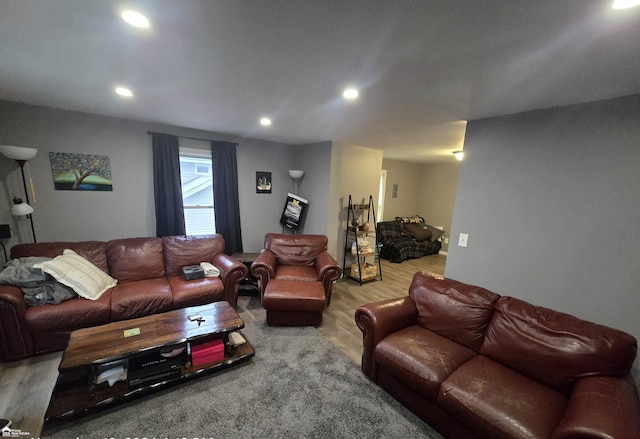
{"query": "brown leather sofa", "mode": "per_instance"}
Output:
(473, 364)
(149, 275)
(295, 277)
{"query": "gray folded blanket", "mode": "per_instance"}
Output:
(38, 287)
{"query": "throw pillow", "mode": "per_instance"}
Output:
(435, 233)
(417, 232)
(415, 219)
(79, 274)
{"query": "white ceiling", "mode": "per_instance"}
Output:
(423, 67)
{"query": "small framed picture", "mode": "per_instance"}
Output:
(263, 182)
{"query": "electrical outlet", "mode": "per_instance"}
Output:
(446, 240)
(463, 239)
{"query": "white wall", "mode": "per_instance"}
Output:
(438, 183)
(359, 177)
(551, 202)
(406, 175)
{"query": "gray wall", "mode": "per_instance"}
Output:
(315, 160)
(551, 202)
(128, 211)
(260, 213)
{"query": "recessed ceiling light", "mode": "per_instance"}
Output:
(135, 19)
(350, 93)
(625, 4)
(265, 121)
(123, 91)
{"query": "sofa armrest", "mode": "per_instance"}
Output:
(379, 319)
(601, 407)
(328, 271)
(232, 272)
(263, 268)
(15, 339)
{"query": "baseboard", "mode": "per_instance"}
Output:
(442, 253)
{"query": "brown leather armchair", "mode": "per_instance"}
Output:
(296, 257)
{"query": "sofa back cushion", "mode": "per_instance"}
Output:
(296, 249)
(555, 348)
(457, 311)
(189, 250)
(133, 259)
(388, 230)
(93, 251)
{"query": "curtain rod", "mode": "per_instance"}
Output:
(183, 137)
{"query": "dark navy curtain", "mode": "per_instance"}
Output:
(166, 185)
(225, 194)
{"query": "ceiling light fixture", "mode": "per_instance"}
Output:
(265, 121)
(350, 93)
(135, 19)
(123, 91)
(459, 155)
(625, 4)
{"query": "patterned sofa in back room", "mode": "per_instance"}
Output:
(406, 238)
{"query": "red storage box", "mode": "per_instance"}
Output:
(207, 352)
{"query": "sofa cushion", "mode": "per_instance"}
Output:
(443, 301)
(296, 249)
(420, 358)
(497, 402)
(195, 292)
(189, 250)
(70, 314)
(135, 258)
(555, 348)
(140, 298)
(94, 251)
(296, 272)
(388, 230)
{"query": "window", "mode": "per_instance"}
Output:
(197, 191)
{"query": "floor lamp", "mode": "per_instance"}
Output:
(21, 155)
(296, 175)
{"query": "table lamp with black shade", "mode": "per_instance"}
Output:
(21, 155)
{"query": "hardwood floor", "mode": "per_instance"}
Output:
(338, 321)
(25, 386)
(25, 389)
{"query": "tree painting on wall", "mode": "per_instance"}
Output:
(80, 172)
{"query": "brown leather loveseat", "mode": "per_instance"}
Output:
(474, 364)
(149, 280)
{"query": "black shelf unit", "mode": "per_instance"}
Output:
(356, 215)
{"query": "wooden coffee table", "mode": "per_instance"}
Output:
(144, 341)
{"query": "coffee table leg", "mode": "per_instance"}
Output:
(93, 377)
